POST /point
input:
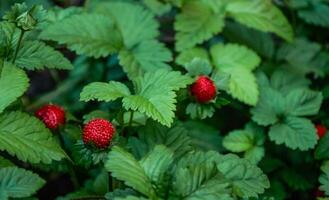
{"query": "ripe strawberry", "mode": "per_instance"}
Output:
(98, 132)
(321, 130)
(203, 89)
(52, 115)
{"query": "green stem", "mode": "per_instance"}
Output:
(18, 45)
(131, 118)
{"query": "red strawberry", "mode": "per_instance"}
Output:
(321, 130)
(319, 193)
(52, 115)
(98, 132)
(203, 89)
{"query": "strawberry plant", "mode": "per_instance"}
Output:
(164, 99)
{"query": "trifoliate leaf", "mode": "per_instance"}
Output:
(147, 56)
(157, 162)
(198, 21)
(238, 62)
(200, 111)
(247, 179)
(322, 149)
(88, 34)
(155, 95)
(125, 167)
(19, 183)
(27, 138)
(13, 84)
(303, 102)
(136, 24)
(261, 15)
(104, 91)
(188, 55)
(295, 133)
(37, 55)
(324, 178)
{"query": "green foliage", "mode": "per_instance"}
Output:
(250, 141)
(86, 34)
(321, 151)
(37, 55)
(155, 95)
(261, 15)
(17, 183)
(27, 138)
(104, 91)
(324, 178)
(238, 62)
(198, 21)
(247, 179)
(13, 83)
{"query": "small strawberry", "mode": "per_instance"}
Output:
(203, 89)
(319, 193)
(52, 115)
(98, 132)
(321, 130)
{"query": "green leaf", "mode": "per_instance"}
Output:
(201, 182)
(261, 15)
(37, 55)
(88, 34)
(13, 83)
(125, 167)
(157, 7)
(316, 14)
(198, 21)
(238, 62)
(238, 141)
(270, 106)
(129, 198)
(147, 56)
(296, 180)
(243, 85)
(248, 180)
(198, 67)
(189, 55)
(322, 149)
(203, 136)
(155, 95)
(255, 154)
(104, 91)
(200, 111)
(303, 102)
(324, 178)
(295, 133)
(18, 183)
(5, 163)
(260, 42)
(27, 138)
(157, 162)
(136, 24)
(234, 56)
